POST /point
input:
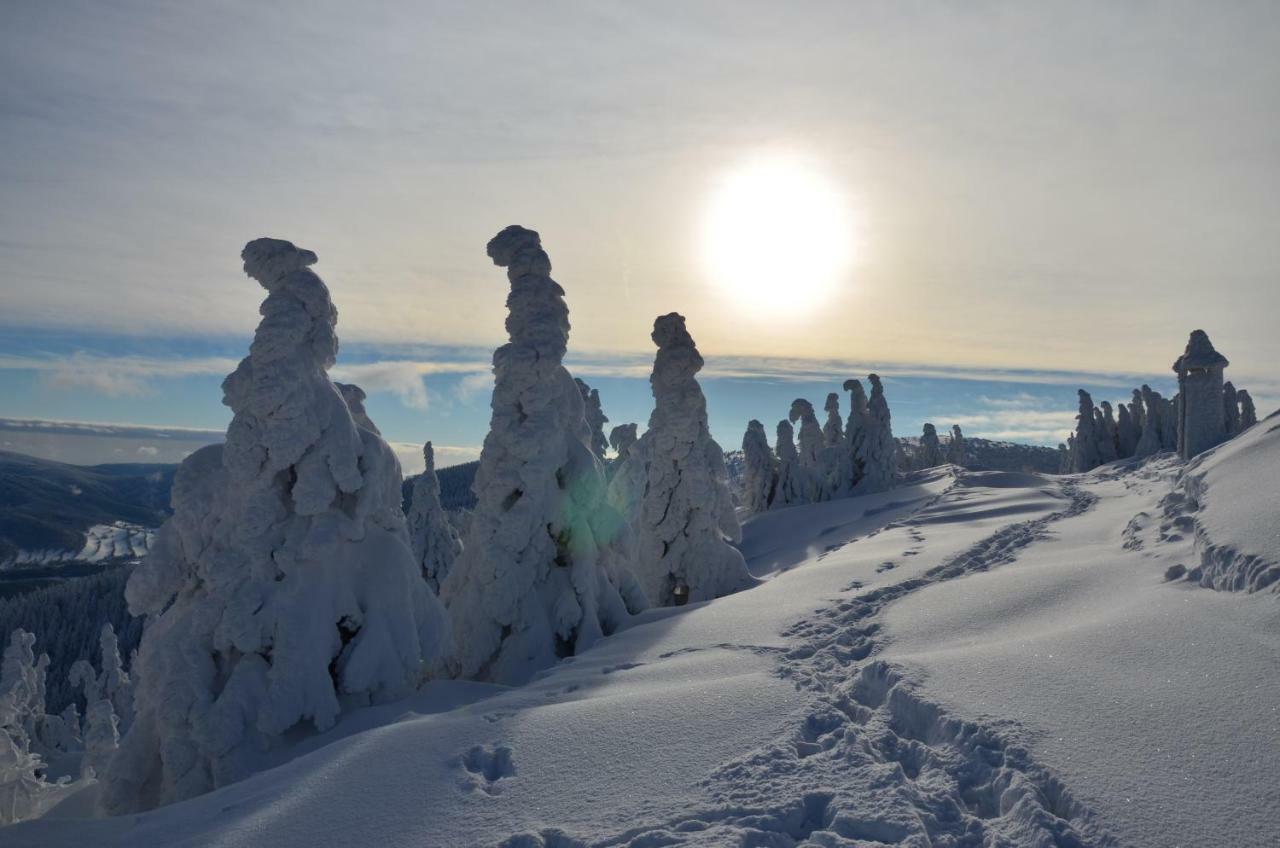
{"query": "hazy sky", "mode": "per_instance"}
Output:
(1044, 187)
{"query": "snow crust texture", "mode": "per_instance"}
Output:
(283, 587)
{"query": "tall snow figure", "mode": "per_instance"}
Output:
(930, 448)
(855, 435)
(596, 419)
(879, 449)
(956, 449)
(283, 586)
(528, 588)
(1230, 408)
(809, 442)
(1088, 436)
(687, 517)
(790, 490)
(435, 543)
(1201, 422)
(760, 479)
(1248, 414)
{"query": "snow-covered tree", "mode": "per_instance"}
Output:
(930, 453)
(833, 429)
(1064, 458)
(1087, 454)
(529, 588)
(879, 448)
(1107, 432)
(622, 438)
(435, 543)
(809, 443)
(112, 684)
(760, 478)
(1202, 423)
(956, 450)
(1248, 414)
(855, 434)
(354, 397)
(1150, 442)
(1230, 408)
(21, 707)
(1127, 431)
(791, 489)
(283, 587)
(595, 417)
(686, 519)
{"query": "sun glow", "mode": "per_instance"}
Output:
(778, 236)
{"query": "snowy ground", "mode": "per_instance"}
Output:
(974, 658)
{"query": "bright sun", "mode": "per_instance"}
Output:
(778, 236)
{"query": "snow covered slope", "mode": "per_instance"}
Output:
(975, 658)
(102, 542)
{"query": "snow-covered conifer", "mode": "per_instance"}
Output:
(833, 429)
(760, 478)
(435, 543)
(1230, 408)
(1087, 436)
(283, 586)
(1064, 458)
(956, 450)
(1107, 432)
(930, 454)
(595, 418)
(622, 438)
(687, 517)
(880, 449)
(1149, 442)
(855, 434)
(528, 588)
(1127, 431)
(791, 489)
(354, 397)
(1248, 414)
(809, 442)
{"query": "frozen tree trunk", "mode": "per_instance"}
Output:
(791, 489)
(879, 448)
(1149, 443)
(529, 587)
(809, 448)
(760, 478)
(1248, 415)
(283, 586)
(1230, 408)
(855, 434)
(930, 455)
(686, 519)
(956, 450)
(595, 418)
(434, 541)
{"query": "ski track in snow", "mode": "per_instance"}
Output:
(882, 765)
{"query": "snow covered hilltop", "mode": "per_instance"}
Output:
(876, 644)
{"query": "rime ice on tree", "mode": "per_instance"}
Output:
(1201, 422)
(529, 588)
(760, 478)
(435, 543)
(930, 448)
(283, 586)
(879, 449)
(687, 516)
(956, 449)
(596, 419)
(809, 450)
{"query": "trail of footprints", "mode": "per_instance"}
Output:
(873, 762)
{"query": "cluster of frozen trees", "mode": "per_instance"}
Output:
(930, 450)
(835, 459)
(34, 741)
(289, 585)
(1203, 413)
